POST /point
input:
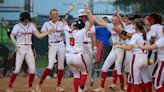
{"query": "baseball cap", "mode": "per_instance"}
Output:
(82, 12)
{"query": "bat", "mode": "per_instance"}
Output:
(70, 9)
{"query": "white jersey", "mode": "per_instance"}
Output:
(160, 44)
(87, 37)
(74, 40)
(156, 31)
(56, 36)
(23, 33)
(130, 29)
(115, 37)
(137, 39)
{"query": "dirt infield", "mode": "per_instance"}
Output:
(49, 85)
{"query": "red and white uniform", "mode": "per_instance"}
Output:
(56, 44)
(75, 51)
(159, 77)
(139, 60)
(116, 55)
(24, 42)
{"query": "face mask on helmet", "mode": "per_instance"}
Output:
(24, 16)
(79, 23)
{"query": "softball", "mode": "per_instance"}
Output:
(150, 61)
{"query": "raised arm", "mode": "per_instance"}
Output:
(91, 19)
(101, 22)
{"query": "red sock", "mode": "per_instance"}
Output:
(31, 79)
(76, 84)
(12, 79)
(143, 87)
(149, 86)
(114, 75)
(60, 76)
(103, 78)
(129, 87)
(136, 88)
(160, 89)
(121, 81)
(83, 78)
(46, 71)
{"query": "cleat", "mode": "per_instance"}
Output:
(30, 90)
(60, 89)
(9, 90)
(38, 88)
(99, 90)
(113, 86)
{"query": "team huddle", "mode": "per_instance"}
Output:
(136, 43)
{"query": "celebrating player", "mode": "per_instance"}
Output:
(23, 32)
(56, 48)
(74, 50)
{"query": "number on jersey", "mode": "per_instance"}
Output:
(72, 41)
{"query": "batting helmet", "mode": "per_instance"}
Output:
(25, 15)
(79, 23)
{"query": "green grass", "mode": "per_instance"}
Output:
(41, 61)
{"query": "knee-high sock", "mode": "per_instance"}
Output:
(60, 76)
(114, 75)
(31, 79)
(129, 87)
(76, 84)
(121, 81)
(103, 78)
(83, 78)
(45, 73)
(149, 86)
(143, 87)
(12, 79)
(160, 89)
(136, 88)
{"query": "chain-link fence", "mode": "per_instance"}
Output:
(40, 9)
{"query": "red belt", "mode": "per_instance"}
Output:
(87, 42)
(55, 41)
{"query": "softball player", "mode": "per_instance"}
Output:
(116, 55)
(159, 76)
(155, 33)
(23, 32)
(89, 43)
(139, 60)
(75, 50)
(56, 47)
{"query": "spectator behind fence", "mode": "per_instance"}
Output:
(103, 43)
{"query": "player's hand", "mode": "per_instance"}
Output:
(51, 31)
(116, 46)
(64, 22)
(18, 49)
